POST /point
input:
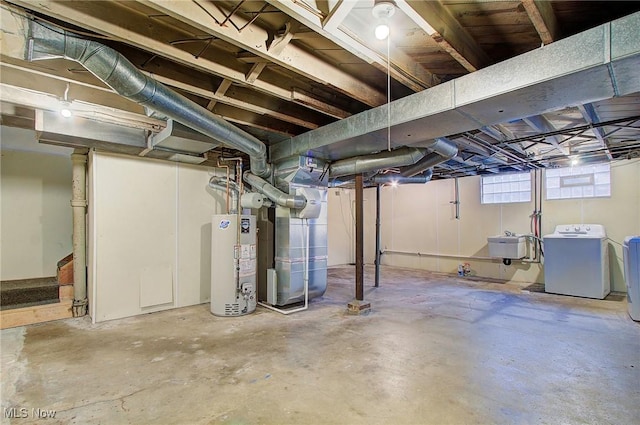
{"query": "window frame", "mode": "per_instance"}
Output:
(563, 183)
(498, 181)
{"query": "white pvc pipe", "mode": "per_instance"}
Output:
(79, 205)
(306, 280)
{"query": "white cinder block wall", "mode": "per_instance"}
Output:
(420, 218)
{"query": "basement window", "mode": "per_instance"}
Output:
(506, 188)
(588, 181)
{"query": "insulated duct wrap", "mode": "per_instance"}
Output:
(124, 78)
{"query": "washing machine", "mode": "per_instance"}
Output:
(631, 253)
(576, 261)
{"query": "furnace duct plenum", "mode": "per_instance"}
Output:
(125, 79)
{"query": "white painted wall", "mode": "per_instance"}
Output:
(149, 235)
(36, 224)
(420, 218)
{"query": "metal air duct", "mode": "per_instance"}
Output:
(400, 179)
(443, 150)
(276, 195)
(386, 159)
(123, 77)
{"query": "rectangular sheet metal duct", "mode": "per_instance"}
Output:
(597, 64)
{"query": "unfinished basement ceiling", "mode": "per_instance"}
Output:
(280, 69)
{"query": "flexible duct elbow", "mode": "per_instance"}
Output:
(442, 150)
(378, 161)
(125, 79)
(274, 194)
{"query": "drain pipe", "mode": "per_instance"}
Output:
(79, 206)
(124, 78)
(275, 194)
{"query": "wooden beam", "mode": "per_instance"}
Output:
(30, 98)
(543, 19)
(302, 98)
(337, 14)
(37, 314)
(219, 94)
(216, 97)
(257, 121)
(238, 95)
(403, 68)
(435, 20)
(281, 52)
(89, 15)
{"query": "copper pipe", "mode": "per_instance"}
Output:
(227, 167)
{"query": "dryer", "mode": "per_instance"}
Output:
(631, 252)
(576, 261)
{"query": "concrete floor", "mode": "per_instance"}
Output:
(435, 349)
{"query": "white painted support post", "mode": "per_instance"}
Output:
(79, 206)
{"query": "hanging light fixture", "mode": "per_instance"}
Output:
(65, 105)
(382, 11)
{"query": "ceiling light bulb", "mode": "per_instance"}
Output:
(574, 161)
(65, 108)
(382, 31)
(394, 183)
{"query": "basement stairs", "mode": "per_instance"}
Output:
(29, 301)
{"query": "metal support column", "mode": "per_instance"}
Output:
(358, 305)
(377, 279)
(359, 238)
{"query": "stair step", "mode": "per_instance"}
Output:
(28, 292)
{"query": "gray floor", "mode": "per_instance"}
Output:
(435, 350)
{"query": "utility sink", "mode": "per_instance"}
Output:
(507, 246)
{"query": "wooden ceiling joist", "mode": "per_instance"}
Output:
(280, 51)
(543, 19)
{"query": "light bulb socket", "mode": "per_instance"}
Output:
(383, 9)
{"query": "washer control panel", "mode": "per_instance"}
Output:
(585, 230)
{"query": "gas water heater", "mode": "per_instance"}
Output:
(233, 264)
